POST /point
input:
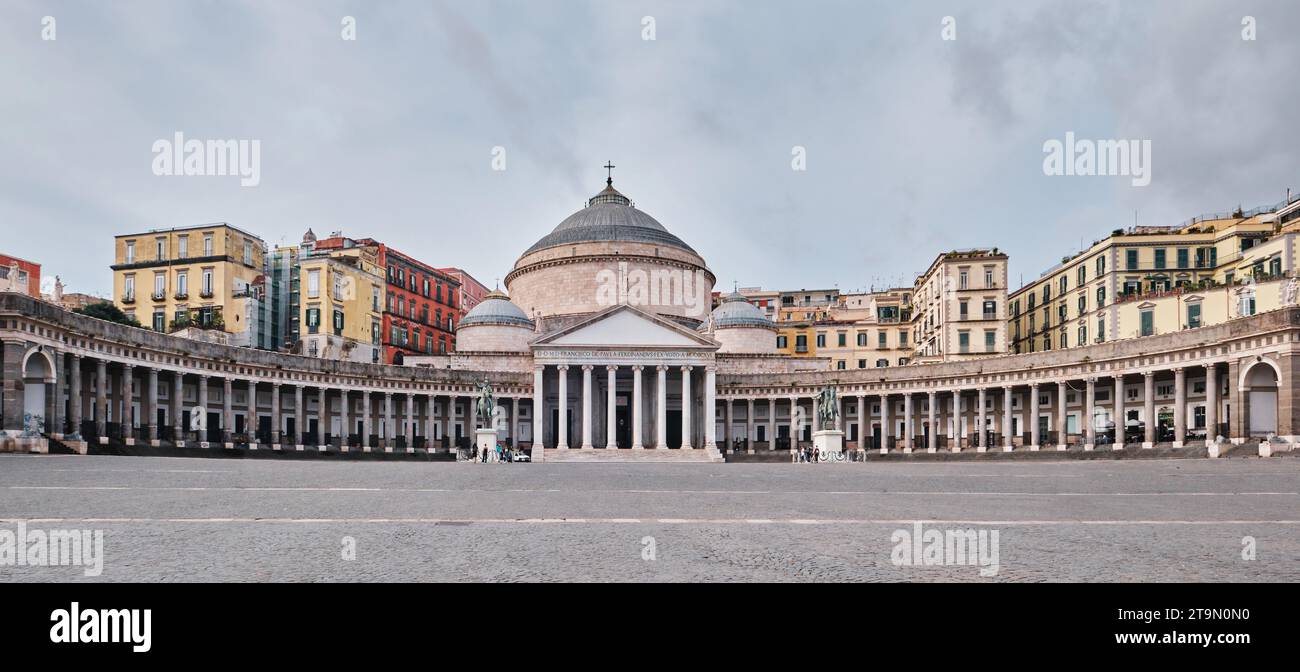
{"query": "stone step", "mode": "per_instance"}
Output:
(649, 455)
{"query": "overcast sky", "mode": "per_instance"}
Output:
(914, 144)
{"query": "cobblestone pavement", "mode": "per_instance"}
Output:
(177, 519)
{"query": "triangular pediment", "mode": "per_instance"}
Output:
(625, 326)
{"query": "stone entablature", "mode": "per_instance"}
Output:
(47, 325)
(1273, 332)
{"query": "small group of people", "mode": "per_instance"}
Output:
(499, 453)
(807, 454)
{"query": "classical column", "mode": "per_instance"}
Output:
(177, 407)
(794, 423)
(886, 424)
(1211, 404)
(586, 407)
(1118, 420)
(636, 408)
(1035, 437)
(345, 420)
(711, 408)
(686, 407)
(864, 422)
(324, 418)
(562, 430)
(127, 400)
(151, 417)
(228, 411)
(202, 409)
(1089, 423)
(366, 421)
(933, 440)
(611, 412)
(449, 409)
(1062, 439)
(955, 421)
(299, 417)
(538, 408)
(277, 424)
(75, 396)
(749, 425)
(101, 399)
(771, 421)
(981, 432)
(907, 422)
(428, 422)
(1149, 409)
(661, 408)
(388, 439)
(727, 439)
(1180, 407)
(1007, 442)
(412, 422)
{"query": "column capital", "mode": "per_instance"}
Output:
(1210, 365)
(687, 368)
(611, 368)
(661, 367)
(638, 367)
(77, 356)
(562, 367)
(1034, 385)
(1149, 374)
(587, 367)
(1178, 370)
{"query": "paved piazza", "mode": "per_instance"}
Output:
(178, 519)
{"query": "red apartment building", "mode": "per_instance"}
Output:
(20, 275)
(471, 291)
(421, 309)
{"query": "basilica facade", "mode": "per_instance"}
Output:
(605, 346)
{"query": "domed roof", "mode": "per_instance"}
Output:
(609, 216)
(737, 311)
(496, 309)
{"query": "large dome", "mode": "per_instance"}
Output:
(606, 254)
(609, 217)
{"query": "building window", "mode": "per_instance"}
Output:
(206, 289)
(130, 252)
(160, 249)
(801, 343)
(1148, 323)
(781, 342)
(988, 278)
(1101, 329)
(248, 253)
(990, 340)
(1101, 266)
(1083, 334)
(207, 244)
(183, 246)
(1183, 257)
(862, 339)
(1160, 258)
(902, 339)
(159, 285)
(1131, 260)
(962, 280)
(313, 320)
(862, 363)
(1193, 315)
(963, 310)
(882, 340)
(839, 365)
(963, 341)
(1101, 296)
(882, 363)
(990, 310)
(182, 284)
(843, 339)
(821, 340)
(338, 322)
(1065, 284)
(1083, 304)
(1083, 275)
(313, 283)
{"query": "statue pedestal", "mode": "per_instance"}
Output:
(484, 439)
(829, 444)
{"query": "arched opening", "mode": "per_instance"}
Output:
(38, 373)
(1259, 387)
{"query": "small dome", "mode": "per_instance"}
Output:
(737, 311)
(309, 237)
(496, 309)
